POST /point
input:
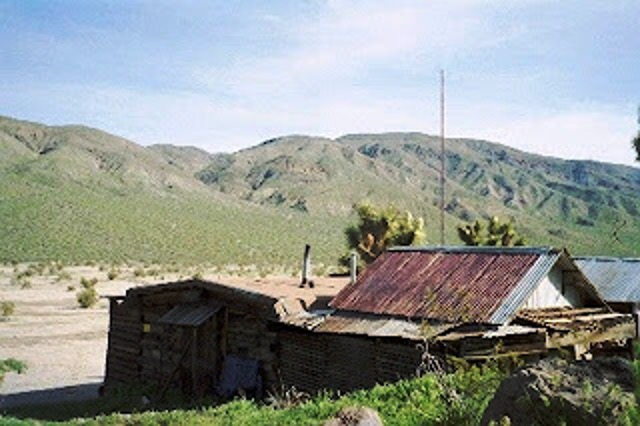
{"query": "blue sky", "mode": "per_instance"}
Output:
(557, 78)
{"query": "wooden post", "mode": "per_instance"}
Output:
(306, 265)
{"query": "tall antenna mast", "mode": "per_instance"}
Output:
(442, 159)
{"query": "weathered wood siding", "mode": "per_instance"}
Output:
(143, 352)
(124, 340)
(314, 361)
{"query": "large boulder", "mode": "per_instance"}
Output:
(554, 392)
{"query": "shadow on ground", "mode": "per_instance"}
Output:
(83, 401)
(66, 394)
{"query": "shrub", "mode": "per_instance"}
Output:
(63, 276)
(11, 365)
(88, 283)
(112, 274)
(7, 308)
(87, 297)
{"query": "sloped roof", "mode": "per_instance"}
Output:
(617, 279)
(225, 294)
(470, 284)
(189, 315)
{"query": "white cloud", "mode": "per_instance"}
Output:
(314, 84)
(588, 132)
(347, 38)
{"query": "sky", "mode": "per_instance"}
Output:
(554, 78)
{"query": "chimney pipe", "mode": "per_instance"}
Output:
(354, 267)
(306, 265)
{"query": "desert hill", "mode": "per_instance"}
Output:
(77, 193)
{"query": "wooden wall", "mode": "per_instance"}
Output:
(314, 361)
(125, 330)
(143, 352)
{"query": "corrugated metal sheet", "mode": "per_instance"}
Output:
(618, 280)
(381, 327)
(189, 315)
(366, 325)
(467, 284)
(525, 287)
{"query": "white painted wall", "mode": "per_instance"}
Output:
(550, 293)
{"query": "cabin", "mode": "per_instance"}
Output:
(196, 336)
(471, 302)
(409, 309)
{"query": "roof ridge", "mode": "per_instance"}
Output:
(477, 249)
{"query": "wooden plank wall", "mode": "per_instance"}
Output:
(312, 361)
(150, 358)
(125, 329)
(249, 336)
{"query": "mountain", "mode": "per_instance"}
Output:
(589, 206)
(80, 193)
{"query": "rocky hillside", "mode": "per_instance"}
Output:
(75, 192)
(555, 201)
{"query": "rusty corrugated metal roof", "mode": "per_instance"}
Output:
(617, 279)
(366, 324)
(468, 284)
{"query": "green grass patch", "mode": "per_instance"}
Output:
(450, 399)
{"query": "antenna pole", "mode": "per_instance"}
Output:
(442, 159)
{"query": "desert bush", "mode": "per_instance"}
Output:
(113, 274)
(153, 272)
(63, 276)
(88, 296)
(71, 288)
(139, 272)
(11, 365)
(88, 283)
(7, 308)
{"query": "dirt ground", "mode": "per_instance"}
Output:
(64, 346)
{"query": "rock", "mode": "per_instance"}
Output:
(355, 416)
(555, 391)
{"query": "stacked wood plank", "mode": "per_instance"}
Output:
(123, 342)
(144, 351)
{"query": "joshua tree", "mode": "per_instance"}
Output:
(496, 234)
(378, 229)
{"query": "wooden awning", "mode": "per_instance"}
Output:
(189, 315)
